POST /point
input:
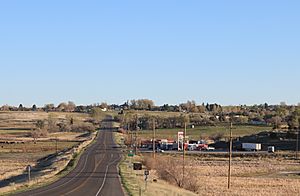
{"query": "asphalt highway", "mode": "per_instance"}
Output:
(95, 174)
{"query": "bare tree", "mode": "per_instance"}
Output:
(62, 107)
(142, 104)
(49, 107)
(52, 124)
(168, 169)
(40, 124)
(103, 105)
(71, 106)
(39, 130)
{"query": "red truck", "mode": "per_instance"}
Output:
(202, 147)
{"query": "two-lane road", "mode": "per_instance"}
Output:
(95, 174)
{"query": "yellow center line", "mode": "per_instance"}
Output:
(95, 168)
(67, 182)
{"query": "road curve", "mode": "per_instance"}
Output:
(96, 173)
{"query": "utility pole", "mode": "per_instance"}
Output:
(230, 155)
(154, 146)
(28, 168)
(297, 144)
(137, 127)
(56, 145)
(183, 157)
(131, 135)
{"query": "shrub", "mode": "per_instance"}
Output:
(128, 140)
(170, 170)
(64, 127)
(83, 127)
(149, 162)
(36, 133)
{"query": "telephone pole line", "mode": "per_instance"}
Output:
(56, 145)
(136, 136)
(154, 144)
(297, 144)
(183, 157)
(230, 156)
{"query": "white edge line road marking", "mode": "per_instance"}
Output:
(103, 182)
(85, 162)
(96, 166)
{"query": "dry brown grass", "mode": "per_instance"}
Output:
(58, 164)
(15, 127)
(25, 120)
(15, 157)
(260, 176)
(134, 180)
(250, 176)
(250, 186)
(10, 167)
(169, 169)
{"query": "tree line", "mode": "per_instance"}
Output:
(279, 116)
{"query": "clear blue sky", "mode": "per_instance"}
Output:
(228, 52)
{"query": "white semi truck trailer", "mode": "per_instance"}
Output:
(251, 147)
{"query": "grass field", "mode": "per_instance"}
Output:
(15, 157)
(61, 165)
(25, 120)
(16, 132)
(205, 132)
(268, 175)
(250, 176)
(16, 126)
(200, 132)
(47, 147)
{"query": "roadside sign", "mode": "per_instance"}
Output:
(137, 166)
(28, 168)
(130, 154)
(180, 137)
(146, 172)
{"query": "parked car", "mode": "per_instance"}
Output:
(210, 148)
(192, 147)
(159, 150)
(202, 147)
